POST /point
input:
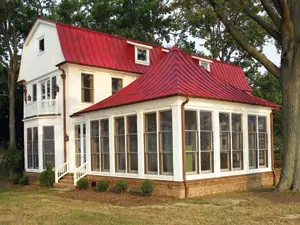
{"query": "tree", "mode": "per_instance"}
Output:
(16, 18)
(280, 20)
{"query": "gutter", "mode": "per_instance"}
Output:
(186, 190)
(66, 137)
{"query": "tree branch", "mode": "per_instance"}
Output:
(266, 26)
(244, 43)
(272, 14)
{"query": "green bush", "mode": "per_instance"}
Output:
(24, 180)
(102, 186)
(47, 177)
(147, 187)
(16, 178)
(121, 185)
(82, 183)
(10, 161)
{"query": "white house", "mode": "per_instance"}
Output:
(108, 107)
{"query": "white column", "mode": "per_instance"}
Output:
(177, 143)
(245, 142)
(71, 147)
(88, 145)
(40, 145)
(140, 131)
(269, 141)
(25, 147)
(216, 134)
(111, 146)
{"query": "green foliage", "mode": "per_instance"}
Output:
(147, 187)
(102, 186)
(16, 178)
(82, 183)
(24, 180)
(121, 185)
(47, 177)
(10, 159)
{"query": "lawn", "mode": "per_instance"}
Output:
(44, 206)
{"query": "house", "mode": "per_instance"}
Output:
(106, 107)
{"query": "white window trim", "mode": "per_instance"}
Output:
(39, 39)
(137, 61)
(208, 64)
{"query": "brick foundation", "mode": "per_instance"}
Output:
(198, 187)
(33, 177)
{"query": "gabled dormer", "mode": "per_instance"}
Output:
(141, 53)
(205, 63)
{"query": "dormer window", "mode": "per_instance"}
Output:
(205, 63)
(141, 53)
(41, 45)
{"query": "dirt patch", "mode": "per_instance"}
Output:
(9, 185)
(277, 197)
(123, 199)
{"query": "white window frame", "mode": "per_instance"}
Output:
(137, 61)
(203, 62)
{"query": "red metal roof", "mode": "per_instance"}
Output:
(177, 74)
(88, 47)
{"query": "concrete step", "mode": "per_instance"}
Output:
(66, 182)
(63, 186)
(67, 178)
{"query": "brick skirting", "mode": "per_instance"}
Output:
(198, 187)
(33, 177)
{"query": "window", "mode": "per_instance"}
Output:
(206, 141)
(48, 89)
(117, 84)
(99, 145)
(120, 144)
(34, 93)
(95, 146)
(166, 142)
(258, 150)
(104, 140)
(80, 144)
(32, 148)
(224, 141)
(126, 150)
(191, 146)
(87, 88)
(132, 144)
(205, 65)
(231, 141)
(41, 45)
(150, 142)
(48, 146)
(142, 56)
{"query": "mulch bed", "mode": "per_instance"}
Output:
(123, 199)
(7, 184)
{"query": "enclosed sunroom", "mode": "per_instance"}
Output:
(180, 124)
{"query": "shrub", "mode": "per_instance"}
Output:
(10, 161)
(102, 186)
(24, 180)
(47, 177)
(82, 183)
(121, 185)
(16, 178)
(147, 187)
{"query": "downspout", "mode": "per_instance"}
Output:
(187, 99)
(66, 137)
(272, 148)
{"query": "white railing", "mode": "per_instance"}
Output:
(61, 171)
(80, 172)
(41, 108)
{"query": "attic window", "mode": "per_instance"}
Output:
(41, 45)
(141, 53)
(205, 65)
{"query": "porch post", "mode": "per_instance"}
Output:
(40, 146)
(177, 142)
(111, 145)
(140, 131)
(245, 143)
(216, 134)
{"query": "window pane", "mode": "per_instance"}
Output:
(252, 141)
(35, 148)
(42, 45)
(225, 141)
(29, 148)
(132, 124)
(34, 93)
(167, 162)
(151, 162)
(43, 91)
(151, 142)
(224, 121)
(87, 80)
(120, 143)
(141, 54)
(236, 121)
(190, 118)
(120, 128)
(95, 147)
(117, 84)
(237, 159)
(150, 122)
(166, 121)
(225, 160)
(191, 161)
(237, 141)
(87, 85)
(48, 89)
(48, 146)
(78, 145)
(205, 120)
(263, 158)
(253, 158)
(262, 127)
(132, 143)
(54, 88)
(252, 124)
(207, 161)
(206, 138)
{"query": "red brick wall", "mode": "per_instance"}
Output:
(33, 177)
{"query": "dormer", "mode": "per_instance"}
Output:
(141, 53)
(205, 63)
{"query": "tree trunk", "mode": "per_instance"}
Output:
(12, 127)
(290, 81)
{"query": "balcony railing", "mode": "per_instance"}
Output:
(43, 107)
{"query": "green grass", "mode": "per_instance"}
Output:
(44, 207)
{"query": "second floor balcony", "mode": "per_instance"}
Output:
(42, 107)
